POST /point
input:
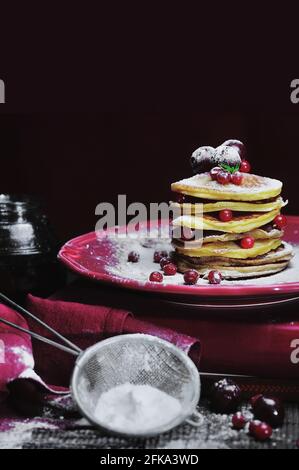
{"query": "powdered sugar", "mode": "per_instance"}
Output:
(136, 409)
(140, 271)
(20, 432)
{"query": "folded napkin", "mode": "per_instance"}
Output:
(26, 371)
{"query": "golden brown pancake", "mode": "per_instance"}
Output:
(230, 249)
(239, 206)
(239, 224)
(253, 188)
(214, 236)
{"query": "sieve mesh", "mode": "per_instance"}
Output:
(138, 359)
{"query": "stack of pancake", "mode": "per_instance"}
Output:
(254, 205)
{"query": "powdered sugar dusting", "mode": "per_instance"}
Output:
(140, 271)
(20, 432)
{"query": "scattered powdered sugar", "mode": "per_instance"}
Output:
(136, 409)
(20, 432)
(24, 356)
(140, 271)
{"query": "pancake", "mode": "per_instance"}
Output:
(230, 249)
(239, 224)
(238, 206)
(210, 236)
(253, 188)
(237, 272)
(281, 254)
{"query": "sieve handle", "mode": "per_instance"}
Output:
(196, 419)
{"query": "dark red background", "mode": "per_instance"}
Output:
(73, 161)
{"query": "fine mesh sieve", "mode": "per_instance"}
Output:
(140, 360)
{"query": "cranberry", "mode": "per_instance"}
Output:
(191, 276)
(225, 396)
(254, 398)
(238, 145)
(214, 172)
(170, 269)
(237, 178)
(245, 166)
(223, 177)
(158, 255)
(225, 215)
(280, 221)
(164, 261)
(270, 410)
(156, 276)
(259, 430)
(215, 277)
(133, 257)
(247, 242)
(239, 421)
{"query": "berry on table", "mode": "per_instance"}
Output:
(280, 221)
(259, 430)
(158, 255)
(255, 398)
(247, 243)
(245, 166)
(191, 277)
(225, 215)
(223, 177)
(170, 269)
(215, 277)
(164, 261)
(214, 172)
(270, 410)
(239, 421)
(225, 396)
(133, 257)
(237, 178)
(156, 276)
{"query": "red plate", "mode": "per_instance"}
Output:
(93, 256)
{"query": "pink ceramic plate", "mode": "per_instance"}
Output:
(93, 257)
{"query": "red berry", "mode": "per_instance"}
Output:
(280, 221)
(255, 398)
(191, 276)
(226, 215)
(215, 277)
(259, 430)
(270, 410)
(214, 172)
(223, 177)
(170, 269)
(133, 257)
(247, 242)
(155, 276)
(164, 261)
(237, 178)
(225, 396)
(245, 166)
(239, 421)
(158, 255)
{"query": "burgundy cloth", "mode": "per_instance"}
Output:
(85, 325)
(16, 359)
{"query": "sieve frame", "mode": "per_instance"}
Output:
(186, 414)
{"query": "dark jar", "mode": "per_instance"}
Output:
(28, 249)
